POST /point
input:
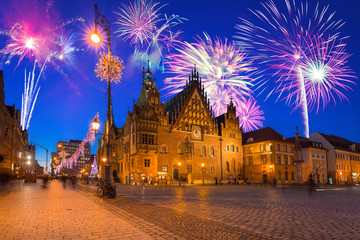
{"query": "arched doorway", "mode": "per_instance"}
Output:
(265, 180)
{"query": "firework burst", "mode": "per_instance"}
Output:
(281, 42)
(150, 32)
(109, 68)
(250, 115)
(224, 69)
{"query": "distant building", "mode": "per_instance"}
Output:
(64, 150)
(268, 155)
(343, 158)
(13, 140)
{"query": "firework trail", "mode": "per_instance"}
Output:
(29, 97)
(150, 32)
(281, 42)
(226, 73)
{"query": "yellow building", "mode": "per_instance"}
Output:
(181, 139)
(312, 159)
(268, 155)
(343, 158)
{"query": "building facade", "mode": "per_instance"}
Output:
(178, 140)
(269, 155)
(343, 158)
(14, 149)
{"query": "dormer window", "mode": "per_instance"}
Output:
(250, 140)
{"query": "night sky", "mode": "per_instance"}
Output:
(67, 102)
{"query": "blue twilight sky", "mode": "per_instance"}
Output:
(66, 105)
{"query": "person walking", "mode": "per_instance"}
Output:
(274, 182)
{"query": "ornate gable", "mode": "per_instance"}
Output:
(190, 108)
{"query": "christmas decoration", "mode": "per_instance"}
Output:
(109, 68)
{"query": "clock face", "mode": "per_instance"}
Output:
(197, 133)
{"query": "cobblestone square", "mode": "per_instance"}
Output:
(169, 212)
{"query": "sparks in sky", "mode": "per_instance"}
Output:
(250, 115)
(150, 32)
(225, 70)
(280, 41)
(29, 97)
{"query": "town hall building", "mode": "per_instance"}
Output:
(178, 140)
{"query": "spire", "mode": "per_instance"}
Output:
(148, 66)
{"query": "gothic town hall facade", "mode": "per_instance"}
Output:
(181, 139)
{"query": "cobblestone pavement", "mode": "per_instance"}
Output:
(190, 212)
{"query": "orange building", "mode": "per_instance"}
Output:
(269, 155)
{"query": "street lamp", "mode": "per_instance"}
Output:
(203, 173)
(179, 174)
(103, 22)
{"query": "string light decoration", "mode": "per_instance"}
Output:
(70, 162)
(109, 68)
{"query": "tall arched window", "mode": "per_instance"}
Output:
(237, 149)
(232, 148)
(233, 165)
(292, 176)
(227, 148)
(227, 167)
(203, 151)
(286, 176)
(212, 153)
(239, 167)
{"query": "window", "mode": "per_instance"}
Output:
(144, 139)
(250, 161)
(279, 176)
(263, 159)
(292, 176)
(212, 151)
(286, 176)
(203, 151)
(237, 149)
(164, 168)
(227, 148)
(291, 149)
(286, 160)
(132, 162)
(212, 169)
(121, 167)
(233, 165)
(239, 167)
(180, 147)
(232, 147)
(146, 162)
(291, 161)
(277, 147)
(163, 149)
(250, 150)
(189, 168)
(227, 167)
(284, 148)
(151, 139)
(262, 148)
(278, 160)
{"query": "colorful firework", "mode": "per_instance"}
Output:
(109, 68)
(324, 73)
(279, 42)
(143, 25)
(250, 115)
(224, 69)
(29, 97)
(66, 53)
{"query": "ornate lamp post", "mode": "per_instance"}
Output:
(110, 69)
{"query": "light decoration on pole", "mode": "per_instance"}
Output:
(109, 68)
